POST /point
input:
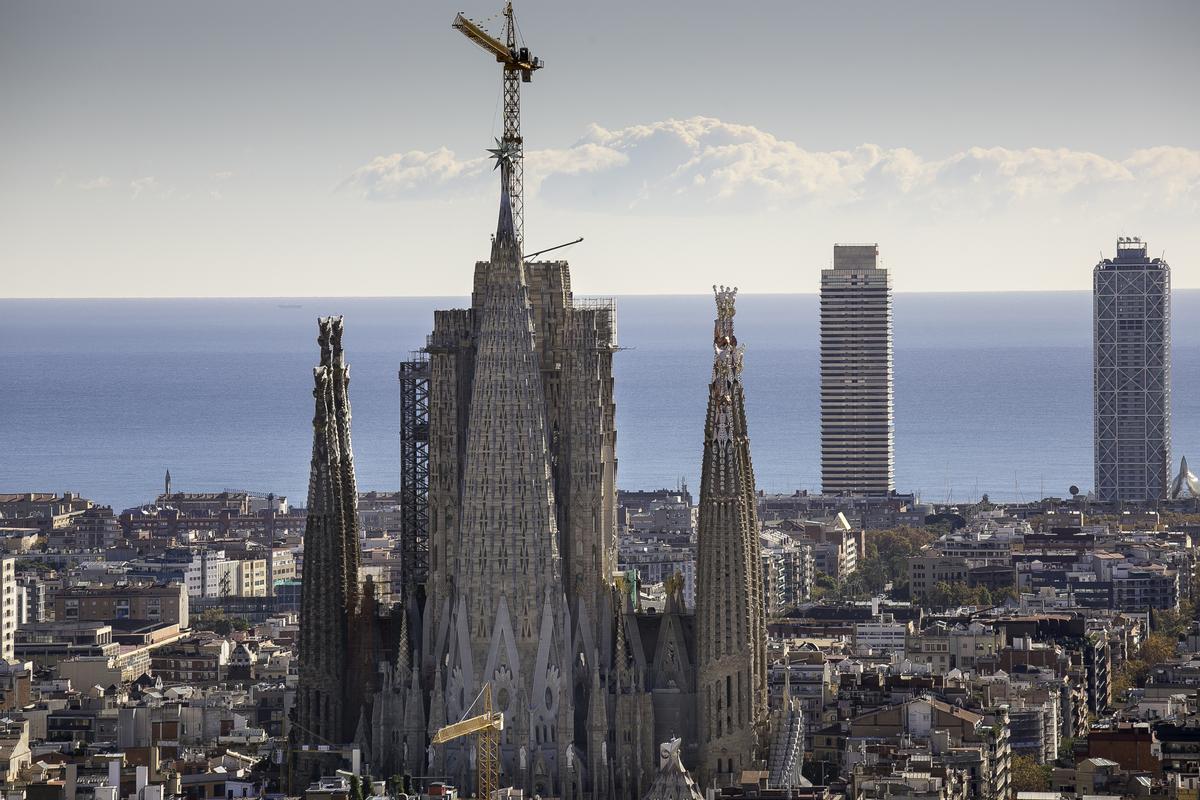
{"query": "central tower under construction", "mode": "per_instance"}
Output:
(522, 514)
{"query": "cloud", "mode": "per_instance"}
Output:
(223, 175)
(141, 185)
(417, 173)
(703, 163)
(102, 182)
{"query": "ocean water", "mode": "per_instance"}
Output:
(993, 391)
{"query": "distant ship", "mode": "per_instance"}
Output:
(290, 305)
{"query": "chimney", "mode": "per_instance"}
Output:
(70, 776)
(143, 777)
(114, 774)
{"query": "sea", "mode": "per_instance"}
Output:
(993, 392)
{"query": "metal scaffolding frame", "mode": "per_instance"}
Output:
(414, 467)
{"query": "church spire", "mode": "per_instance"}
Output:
(328, 703)
(508, 622)
(504, 154)
(730, 624)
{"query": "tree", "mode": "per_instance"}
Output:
(215, 620)
(1028, 775)
(1157, 648)
(1005, 593)
(953, 595)
(1173, 623)
(885, 559)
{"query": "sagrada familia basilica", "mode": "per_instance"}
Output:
(523, 592)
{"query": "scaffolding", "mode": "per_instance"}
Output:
(414, 468)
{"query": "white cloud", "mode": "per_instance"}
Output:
(415, 173)
(102, 182)
(141, 185)
(701, 163)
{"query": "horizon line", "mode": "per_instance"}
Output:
(29, 298)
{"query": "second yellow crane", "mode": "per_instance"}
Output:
(486, 729)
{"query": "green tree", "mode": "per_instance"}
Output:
(1028, 775)
(1157, 648)
(942, 595)
(215, 620)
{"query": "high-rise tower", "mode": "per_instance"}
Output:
(731, 688)
(857, 429)
(1132, 374)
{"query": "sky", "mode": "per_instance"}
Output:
(318, 149)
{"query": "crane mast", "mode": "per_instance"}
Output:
(517, 67)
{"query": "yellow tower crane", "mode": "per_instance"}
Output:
(486, 729)
(518, 67)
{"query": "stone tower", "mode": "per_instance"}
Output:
(335, 667)
(496, 608)
(731, 688)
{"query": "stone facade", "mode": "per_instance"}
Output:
(731, 629)
(523, 589)
(323, 713)
(499, 609)
(345, 682)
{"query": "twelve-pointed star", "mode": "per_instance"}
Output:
(504, 152)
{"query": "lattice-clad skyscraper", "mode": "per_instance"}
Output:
(1132, 339)
(857, 429)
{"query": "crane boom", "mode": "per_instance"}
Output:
(490, 43)
(518, 66)
(470, 726)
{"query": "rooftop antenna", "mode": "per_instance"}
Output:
(556, 247)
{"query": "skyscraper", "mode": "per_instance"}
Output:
(857, 429)
(1131, 328)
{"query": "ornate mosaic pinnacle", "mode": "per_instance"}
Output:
(727, 354)
(725, 299)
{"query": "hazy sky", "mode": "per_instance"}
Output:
(316, 148)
